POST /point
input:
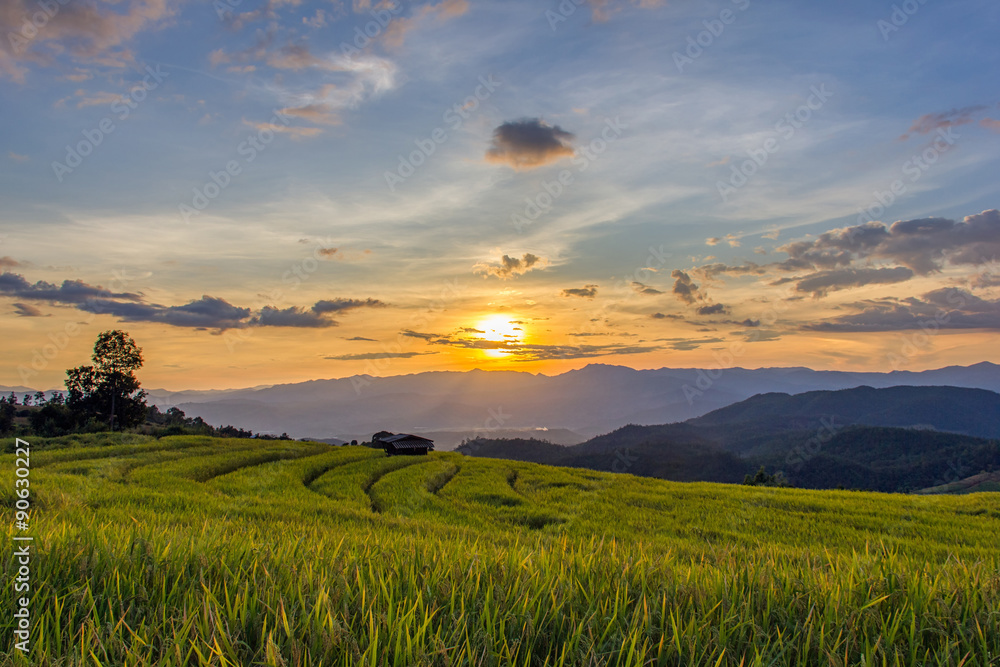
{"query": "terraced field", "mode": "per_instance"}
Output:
(199, 551)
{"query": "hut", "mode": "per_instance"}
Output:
(403, 444)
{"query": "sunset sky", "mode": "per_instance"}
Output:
(278, 191)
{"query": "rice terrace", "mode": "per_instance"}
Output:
(190, 550)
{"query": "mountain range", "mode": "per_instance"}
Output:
(888, 439)
(572, 406)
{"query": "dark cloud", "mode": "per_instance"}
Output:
(818, 284)
(290, 317)
(71, 291)
(205, 313)
(344, 305)
(362, 338)
(947, 308)
(662, 316)
(27, 310)
(714, 309)
(586, 292)
(529, 143)
(508, 267)
(685, 288)
(414, 334)
(369, 356)
(923, 245)
(645, 289)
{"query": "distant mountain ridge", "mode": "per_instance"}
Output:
(589, 401)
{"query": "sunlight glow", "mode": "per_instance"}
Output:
(500, 328)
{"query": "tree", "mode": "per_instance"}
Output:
(39, 398)
(108, 390)
(763, 479)
(7, 413)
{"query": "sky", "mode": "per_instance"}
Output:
(275, 191)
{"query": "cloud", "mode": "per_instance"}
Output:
(711, 271)
(641, 288)
(320, 114)
(946, 308)
(369, 356)
(71, 291)
(27, 310)
(828, 281)
(344, 305)
(923, 245)
(205, 313)
(17, 157)
(399, 28)
(80, 32)
(290, 317)
(7, 262)
(732, 239)
(685, 288)
(510, 267)
(687, 344)
(714, 309)
(529, 143)
(586, 292)
(990, 124)
(362, 338)
(519, 351)
(938, 121)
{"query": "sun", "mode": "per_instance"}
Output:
(498, 329)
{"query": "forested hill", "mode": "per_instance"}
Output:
(895, 439)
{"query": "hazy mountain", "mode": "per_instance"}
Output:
(589, 401)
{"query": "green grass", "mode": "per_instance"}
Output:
(193, 551)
